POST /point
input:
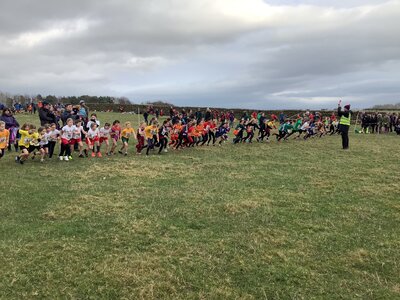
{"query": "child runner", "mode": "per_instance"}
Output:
(183, 136)
(191, 134)
(270, 126)
(285, 130)
(163, 136)
(93, 119)
(26, 134)
(140, 138)
(310, 130)
(296, 128)
(303, 128)
(34, 143)
(77, 137)
(104, 134)
(151, 135)
(92, 140)
(206, 132)
(115, 135)
(67, 133)
(126, 134)
(175, 134)
(52, 136)
(222, 133)
(211, 132)
(320, 128)
(250, 128)
(199, 131)
(43, 142)
(238, 132)
(4, 138)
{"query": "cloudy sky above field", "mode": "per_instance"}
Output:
(231, 53)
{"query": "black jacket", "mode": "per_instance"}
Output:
(344, 113)
(67, 115)
(46, 116)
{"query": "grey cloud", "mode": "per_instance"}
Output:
(194, 53)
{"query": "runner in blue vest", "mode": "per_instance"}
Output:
(344, 124)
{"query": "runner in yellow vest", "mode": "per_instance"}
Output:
(344, 124)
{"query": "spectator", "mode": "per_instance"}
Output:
(45, 115)
(67, 114)
(146, 117)
(83, 111)
(12, 126)
(199, 114)
(282, 118)
(208, 115)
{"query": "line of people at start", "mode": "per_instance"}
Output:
(176, 133)
(379, 122)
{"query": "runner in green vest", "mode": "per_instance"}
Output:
(344, 124)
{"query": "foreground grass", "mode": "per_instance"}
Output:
(298, 220)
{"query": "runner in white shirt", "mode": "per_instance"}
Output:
(43, 143)
(77, 137)
(303, 128)
(67, 133)
(104, 134)
(93, 119)
(53, 135)
(92, 140)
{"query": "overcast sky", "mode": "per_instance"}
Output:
(229, 53)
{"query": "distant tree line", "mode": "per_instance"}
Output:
(387, 106)
(10, 99)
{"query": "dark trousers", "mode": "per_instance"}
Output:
(65, 150)
(249, 137)
(52, 145)
(281, 135)
(344, 131)
(239, 137)
(163, 144)
(211, 137)
(180, 141)
(205, 139)
(150, 145)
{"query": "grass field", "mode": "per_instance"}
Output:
(296, 220)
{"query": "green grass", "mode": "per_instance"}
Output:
(296, 220)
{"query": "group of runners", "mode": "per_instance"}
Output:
(87, 137)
